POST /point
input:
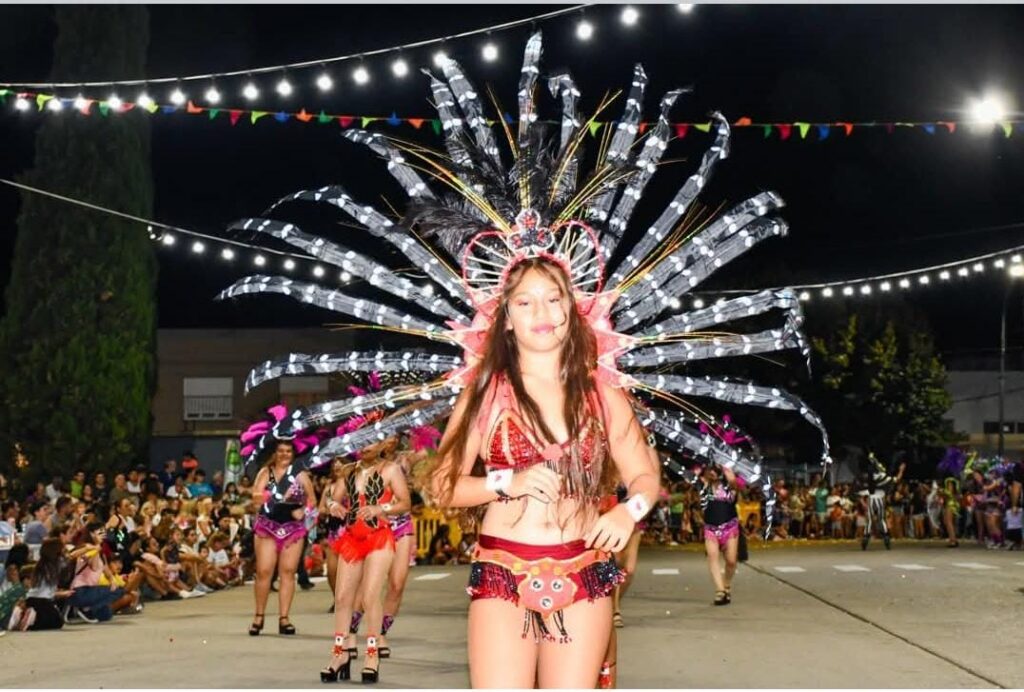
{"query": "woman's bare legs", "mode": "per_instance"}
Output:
(732, 547)
(398, 575)
(346, 587)
(332, 569)
(711, 546)
(499, 656)
(950, 524)
(287, 565)
(577, 662)
(375, 573)
(266, 560)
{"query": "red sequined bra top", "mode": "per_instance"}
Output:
(511, 444)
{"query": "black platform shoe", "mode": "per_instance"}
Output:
(342, 672)
(283, 628)
(371, 675)
(255, 629)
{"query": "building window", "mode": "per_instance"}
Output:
(209, 398)
(991, 427)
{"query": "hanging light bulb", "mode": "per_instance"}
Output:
(904, 283)
(865, 290)
(318, 271)
(400, 67)
(324, 82)
(698, 303)
(21, 103)
(923, 280)
(978, 267)
(885, 286)
(962, 271)
(115, 102)
(289, 264)
(345, 277)
(826, 292)
(168, 239)
(489, 51)
(629, 16)
(685, 8)
(259, 260)
(54, 105)
(212, 95)
(81, 103)
(198, 247)
(999, 263)
(251, 91)
(177, 96)
(361, 76)
(1015, 259)
(284, 87)
(847, 290)
(805, 295)
(440, 58)
(584, 30)
(143, 101)
(944, 275)
(227, 253)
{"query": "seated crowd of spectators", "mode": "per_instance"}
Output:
(86, 551)
(818, 510)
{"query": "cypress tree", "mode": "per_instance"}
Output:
(79, 332)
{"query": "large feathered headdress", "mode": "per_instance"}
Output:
(478, 217)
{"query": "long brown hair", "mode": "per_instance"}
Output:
(577, 362)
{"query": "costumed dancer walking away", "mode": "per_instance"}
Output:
(549, 351)
(872, 497)
(333, 526)
(721, 528)
(286, 502)
(376, 490)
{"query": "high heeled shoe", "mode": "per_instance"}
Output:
(255, 629)
(283, 628)
(343, 671)
(371, 675)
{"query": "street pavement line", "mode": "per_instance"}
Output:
(874, 624)
(436, 576)
(974, 565)
(787, 569)
(911, 567)
(850, 568)
(665, 571)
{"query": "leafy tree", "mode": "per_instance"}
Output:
(78, 336)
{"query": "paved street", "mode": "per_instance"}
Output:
(802, 616)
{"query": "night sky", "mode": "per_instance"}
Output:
(866, 204)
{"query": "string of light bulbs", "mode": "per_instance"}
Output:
(324, 81)
(166, 235)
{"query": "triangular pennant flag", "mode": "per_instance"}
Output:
(345, 120)
(214, 112)
(767, 129)
(703, 127)
(490, 123)
(152, 108)
(682, 129)
(125, 107)
(823, 132)
(303, 117)
(394, 120)
(951, 127)
(167, 109)
(104, 108)
(929, 128)
(743, 122)
(366, 120)
(848, 127)
(804, 127)
(1007, 128)
(41, 100)
(594, 127)
(785, 130)
(234, 115)
(322, 118)
(256, 115)
(508, 118)
(193, 108)
(416, 122)
(890, 128)
(3, 95)
(640, 129)
(86, 106)
(281, 116)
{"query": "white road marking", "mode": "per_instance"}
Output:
(851, 568)
(1019, 563)
(433, 577)
(911, 567)
(318, 580)
(974, 565)
(789, 569)
(665, 571)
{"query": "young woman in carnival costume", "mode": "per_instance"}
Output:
(286, 509)
(874, 485)
(332, 526)
(551, 345)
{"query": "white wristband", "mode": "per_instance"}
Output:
(498, 480)
(638, 507)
